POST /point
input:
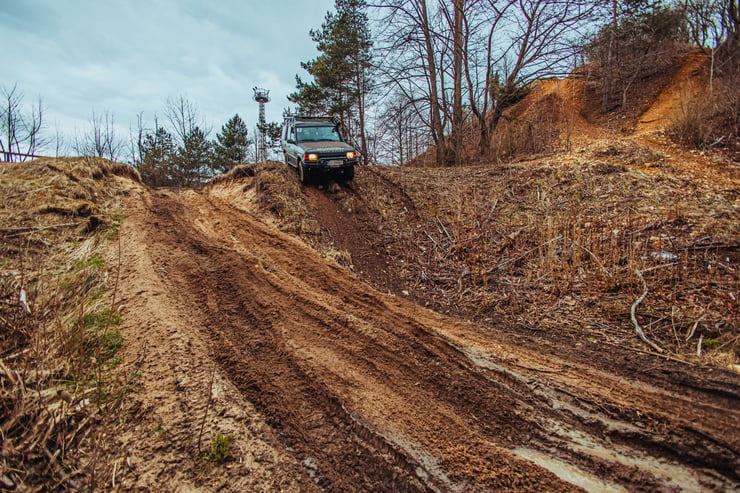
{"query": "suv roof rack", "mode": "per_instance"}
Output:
(299, 118)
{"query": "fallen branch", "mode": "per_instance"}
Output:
(208, 406)
(443, 228)
(729, 342)
(693, 329)
(698, 345)
(653, 225)
(666, 357)
(13, 232)
(633, 314)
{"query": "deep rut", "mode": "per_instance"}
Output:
(371, 392)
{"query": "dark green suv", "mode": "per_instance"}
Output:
(315, 146)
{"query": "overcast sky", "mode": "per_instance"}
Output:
(129, 56)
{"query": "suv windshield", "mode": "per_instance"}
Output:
(307, 134)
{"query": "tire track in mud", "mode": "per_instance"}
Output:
(352, 234)
(335, 449)
(365, 390)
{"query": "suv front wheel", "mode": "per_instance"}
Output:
(347, 174)
(303, 173)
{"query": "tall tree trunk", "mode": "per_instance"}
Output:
(437, 129)
(609, 60)
(734, 34)
(457, 113)
(359, 79)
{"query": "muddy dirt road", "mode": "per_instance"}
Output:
(367, 391)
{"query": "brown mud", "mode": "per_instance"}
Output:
(350, 389)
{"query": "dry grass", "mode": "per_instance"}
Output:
(528, 131)
(239, 171)
(278, 191)
(278, 197)
(555, 245)
(58, 320)
(710, 119)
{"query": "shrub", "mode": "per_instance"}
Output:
(643, 44)
(709, 118)
(220, 449)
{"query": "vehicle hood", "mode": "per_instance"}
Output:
(326, 146)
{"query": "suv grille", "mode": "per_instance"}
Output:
(328, 156)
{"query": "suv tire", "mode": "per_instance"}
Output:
(303, 173)
(348, 174)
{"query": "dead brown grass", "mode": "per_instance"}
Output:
(710, 119)
(554, 245)
(279, 192)
(528, 130)
(239, 171)
(57, 319)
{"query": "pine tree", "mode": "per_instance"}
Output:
(231, 145)
(194, 158)
(157, 166)
(340, 73)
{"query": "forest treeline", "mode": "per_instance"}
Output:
(433, 72)
(411, 76)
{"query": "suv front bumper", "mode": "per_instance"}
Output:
(329, 163)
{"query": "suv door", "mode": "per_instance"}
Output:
(290, 150)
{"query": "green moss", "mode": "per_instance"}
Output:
(101, 338)
(708, 343)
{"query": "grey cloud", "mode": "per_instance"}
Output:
(128, 57)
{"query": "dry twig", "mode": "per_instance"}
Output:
(693, 329)
(633, 314)
(208, 406)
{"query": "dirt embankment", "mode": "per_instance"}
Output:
(258, 360)
(324, 381)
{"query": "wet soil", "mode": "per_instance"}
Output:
(334, 378)
(329, 383)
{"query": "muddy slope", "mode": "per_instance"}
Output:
(367, 391)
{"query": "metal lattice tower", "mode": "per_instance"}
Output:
(262, 96)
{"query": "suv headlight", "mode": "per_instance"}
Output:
(311, 157)
(351, 155)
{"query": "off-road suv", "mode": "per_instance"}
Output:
(316, 146)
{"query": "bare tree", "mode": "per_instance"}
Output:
(60, 145)
(411, 47)
(641, 40)
(491, 49)
(541, 42)
(455, 21)
(183, 117)
(193, 156)
(713, 26)
(405, 133)
(100, 139)
(20, 136)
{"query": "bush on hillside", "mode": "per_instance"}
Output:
(710, 118)
(642, 45)
(536, 131)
